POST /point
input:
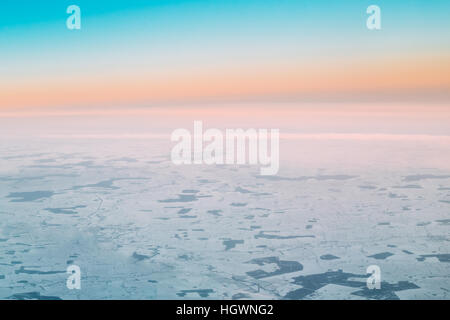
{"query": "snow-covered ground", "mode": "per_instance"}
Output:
(140, 227)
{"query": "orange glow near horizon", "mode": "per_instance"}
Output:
(128, 89)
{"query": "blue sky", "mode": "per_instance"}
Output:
(143, 37)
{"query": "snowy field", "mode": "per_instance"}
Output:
(140, 227)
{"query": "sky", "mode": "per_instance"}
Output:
(137, 53)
